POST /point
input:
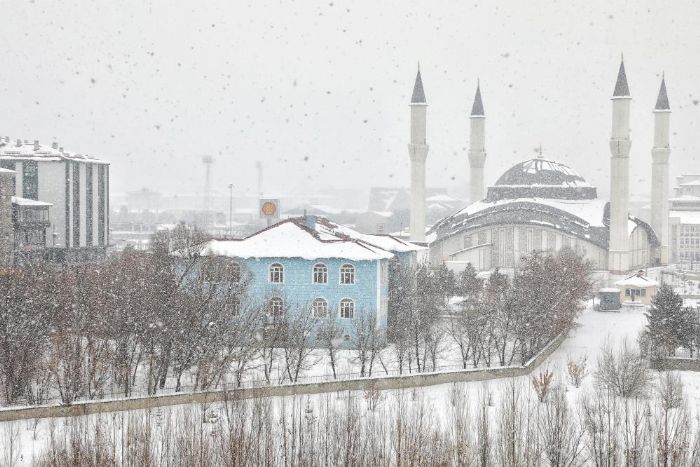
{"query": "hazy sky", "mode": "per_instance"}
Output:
(318, 91)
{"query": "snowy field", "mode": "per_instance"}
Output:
(24, 441)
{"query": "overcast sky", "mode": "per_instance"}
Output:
(319, 91)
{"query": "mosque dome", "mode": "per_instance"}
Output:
(541, 178)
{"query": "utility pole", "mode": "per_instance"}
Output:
(230, 210)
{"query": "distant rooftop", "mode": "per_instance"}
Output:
(33, 150)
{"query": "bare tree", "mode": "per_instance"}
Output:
(625, 372)
(330, 338)
(367, 340)
(541, 383)
(577, 369)
(298, 341)
(560, 433)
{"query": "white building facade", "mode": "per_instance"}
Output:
(76, 185)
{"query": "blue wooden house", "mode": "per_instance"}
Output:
(310, 264)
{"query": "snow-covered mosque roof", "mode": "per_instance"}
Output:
(541, 178)
(34, 151)
(291, 238)
(543, 193)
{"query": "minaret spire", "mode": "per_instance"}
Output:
(620, 143)
(418, 152)
(477, 106)
(418, 96)
(477, 147)
(660, 154)
(621, 87)
(662, 99)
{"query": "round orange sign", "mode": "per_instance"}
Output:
(268, 208)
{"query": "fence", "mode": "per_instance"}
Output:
(356, 384)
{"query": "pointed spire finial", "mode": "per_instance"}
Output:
(621, 87)
(662, 99)
(478, 105)
(418, 96)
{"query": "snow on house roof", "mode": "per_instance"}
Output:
(686, 217)
(637, 280)
(292, 239)
(29, 202)
(33, 151)
(385, 242)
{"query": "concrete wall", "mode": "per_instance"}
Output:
(679, 364)
(382, 383)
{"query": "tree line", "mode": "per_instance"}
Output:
(623, 415)
(496, 320)
(167, 317)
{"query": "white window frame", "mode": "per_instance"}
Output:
(271, 312)
(281, 273)
(325, 273)
(341, 311)
(342, 274)
(313, 308)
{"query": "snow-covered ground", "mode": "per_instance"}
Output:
(594, 330)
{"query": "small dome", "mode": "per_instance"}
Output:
(541, 172)
(541, 178)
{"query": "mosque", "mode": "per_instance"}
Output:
(541, 204)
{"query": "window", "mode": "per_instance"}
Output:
(233, 307)
(347, 308)
(219, 269)
(276, 273)
(627, 292)
(320, 274)
(468, 243)
(347, 274)
(276, 307)
(320, 308)
(234, 271)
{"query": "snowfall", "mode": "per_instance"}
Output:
(593, 331)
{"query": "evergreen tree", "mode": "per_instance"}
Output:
(664, 318)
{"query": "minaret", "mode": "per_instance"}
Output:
(659, 171)
(477, 151)
(618, 256)
(418, 152)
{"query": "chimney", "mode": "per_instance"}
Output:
(310, 221)
(36, 144)
(19, 142)
(54, 145)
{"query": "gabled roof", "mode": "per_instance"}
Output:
(385, 242)
(477, 106)
(292, 239)
(637, 280)
(621, 87)
(662, 99)
(418, 96)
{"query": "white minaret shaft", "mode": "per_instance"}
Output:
(418, 152)
(620, 143)
(659, 171)
(477, 148)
